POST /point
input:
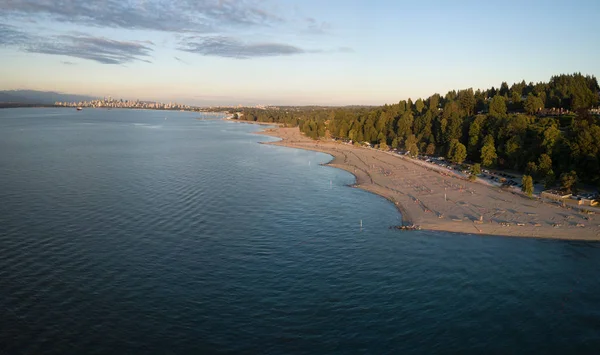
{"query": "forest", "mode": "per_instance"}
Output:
(546, 130)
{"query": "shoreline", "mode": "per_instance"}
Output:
(438, 202)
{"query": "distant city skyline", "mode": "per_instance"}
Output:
(210, 52)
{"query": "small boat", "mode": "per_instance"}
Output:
(79, 108)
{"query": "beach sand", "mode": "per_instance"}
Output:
(439, 202)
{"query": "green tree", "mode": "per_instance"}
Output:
(476, 169)
(498, 106)
(531, 169)
(550, 180)
(568, 181)
(422, 125)
(533, 104)
(488, 152)
(527, 187)
(503, 89)
(457, 152)
(474, 133)
(434, 102)
(405, 124)
(551, 135)
(466, 99)
(513, 151)
(419, 105)
(515, 97)
(411, 145)
(395, 143)
(352, 134)
(544, 165)
(360, 136)
(430, 150)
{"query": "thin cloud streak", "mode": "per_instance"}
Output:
(199, 16)
(220, 46)
(317, 28)
(181, 60)
(99, 49)
(10, 36)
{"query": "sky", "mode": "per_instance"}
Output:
(290, 52)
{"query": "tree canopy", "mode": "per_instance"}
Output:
(543, 128)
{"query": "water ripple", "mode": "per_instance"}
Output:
(191, 238)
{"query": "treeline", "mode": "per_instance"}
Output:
(543, 129)
(288, 116)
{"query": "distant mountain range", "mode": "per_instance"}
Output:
(39, 97)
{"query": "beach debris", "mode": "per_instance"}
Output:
(556, 225)
(505, 224)
(581, 225)
(537, 225)
(411, 227)
(520, 224)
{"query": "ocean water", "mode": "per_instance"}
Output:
(127, 231)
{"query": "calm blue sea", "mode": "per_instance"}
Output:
(154, 232)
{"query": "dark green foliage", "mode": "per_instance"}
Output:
(544, 165)
(411, 145)
(488, 152)
(457, 152)
(497, 127)
(550, 180)
(531, 169)
(572, 92)
(466, 99)
(419, 105)
(527, 187)
(430, 150)
(498, 106)
(568, 181)
(533, 104)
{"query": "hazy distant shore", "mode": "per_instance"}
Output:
(438, 202)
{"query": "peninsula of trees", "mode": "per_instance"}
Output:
(545, 130)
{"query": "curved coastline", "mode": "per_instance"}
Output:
(335, 162)
(445, 203)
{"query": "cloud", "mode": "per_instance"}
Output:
(204, 27)
(220, 46)
(200, 16)
(181, 60)
(66, 62)
(10, 36)
(99, 49)
(318, 28)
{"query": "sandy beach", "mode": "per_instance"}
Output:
(435, 201)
